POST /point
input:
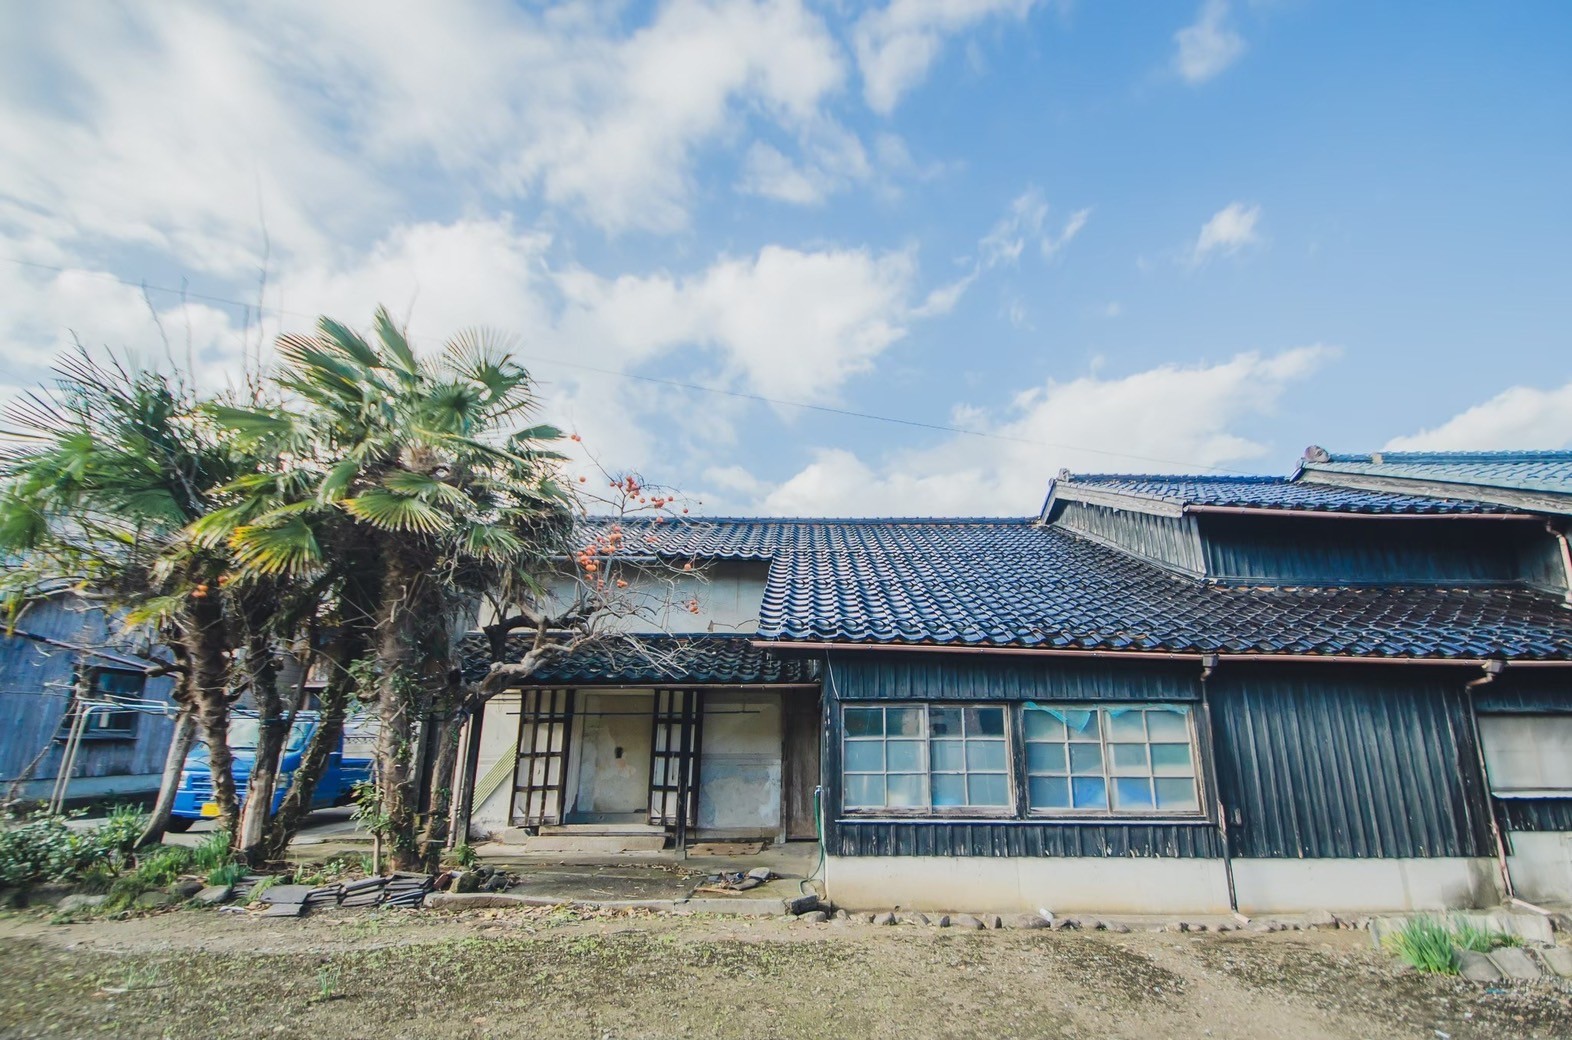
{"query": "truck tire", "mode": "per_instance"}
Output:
(179, 824)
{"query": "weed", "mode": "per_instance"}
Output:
(212, 852)
(1426, 943)
(1478, 938)
(261, 886)
(228, 874)
(327, 982)
(464, 855)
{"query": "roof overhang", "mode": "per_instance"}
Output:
(1532, 501)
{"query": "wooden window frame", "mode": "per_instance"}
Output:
(1010, 810)
(1113, 815)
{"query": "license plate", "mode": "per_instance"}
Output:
(209, 808)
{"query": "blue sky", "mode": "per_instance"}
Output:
(1105, 235)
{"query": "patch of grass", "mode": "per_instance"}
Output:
(1478, 938)
(211, 853)
(1427, 944)
(262, 886)
(228, 874)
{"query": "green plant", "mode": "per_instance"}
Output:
(212, 852)
(327, 983)
(464, 855)
(122, 828)
(44, 848)
(163, 865)
(1427, 944)
(1478, 938)
(262, 886)
(228, 874)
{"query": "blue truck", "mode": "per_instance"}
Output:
(348, 764)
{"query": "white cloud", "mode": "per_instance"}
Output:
(1522, 417)
(1025, 222)
(1229, 230)
(896, 44)
(1168, 418)
(788, 323)
(1209, 46)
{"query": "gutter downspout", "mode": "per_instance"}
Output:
(1492, 669)
(1209, 663)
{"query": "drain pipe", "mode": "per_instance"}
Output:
(1209, 664)
(1492, 669)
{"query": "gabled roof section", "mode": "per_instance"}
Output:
(644, 660)
(1174, 495)
(1532, 480)
(1008, 584)
(765, 538)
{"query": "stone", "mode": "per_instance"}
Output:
(966, 921)
(1476, 967)
(1118, 927)
(72, 903)
(885, 918)
(1561, 922)
(1262, 927)
(913, 917)
(842, 915)
(1514, 962)
(1320, 919)
(1064, 924)
(943, 921)
(1176, 926)
(802, 904)
(212, 895)
(814, 917)
(1223, 927)
(1559, 960)
(185, 888)
(1027, 921)
(993, 921)
(152, 900)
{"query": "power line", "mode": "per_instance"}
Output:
(677, 383)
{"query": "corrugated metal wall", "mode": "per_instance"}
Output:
(1536, 814)
(1169, 541)
(1365, 552)
(35, 689)
(980, 677)
(1324, 761)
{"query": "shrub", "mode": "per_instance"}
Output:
(117, 836)
(464, 855)
(44, 848)
(1426, 943)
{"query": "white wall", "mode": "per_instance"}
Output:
(728, 594)
(1541, 866)
(740, 765)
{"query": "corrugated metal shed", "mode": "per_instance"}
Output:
(1317, 763)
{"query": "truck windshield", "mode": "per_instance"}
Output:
(243, 733)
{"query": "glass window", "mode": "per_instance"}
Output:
(926, 757)
(1125, 759)
(109, 684)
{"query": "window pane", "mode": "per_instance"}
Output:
(1171, 760)
(1125, 724)
(1082, 724)
(1045, 758)
(987, 789)
(944, 722)
(949, 789)
(1176, 795)
(1049, 792)
(1132, 793)
(864, 791)
(1086, 758)
(1089, 792)
(948, 756)
(864, 722)
(124, 684)
(903, 756)
(865, 756)
(1168, 724)
(903, 722)
(985, 754)
(905, 789)
(1128, 758)
(985, 722)
(1043, 725)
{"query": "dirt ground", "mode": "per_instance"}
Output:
(554, 973)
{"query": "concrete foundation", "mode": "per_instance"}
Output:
(1157, 886)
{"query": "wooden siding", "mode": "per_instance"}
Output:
(1321, 762)
(1285, 550)
(1024, 838)
(1170, 542)
(1536, 814)
(1526, 691)
(951, 677)
(35, 689)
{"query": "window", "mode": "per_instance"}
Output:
(108, 684)
(926, 757)
(1528, 756)
(1136, 759)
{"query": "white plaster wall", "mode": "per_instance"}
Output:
(1290, 885)
(740, 765)
(728, 595)
(608, 784)
(979, 884)
(1541, 866)
(499, 737)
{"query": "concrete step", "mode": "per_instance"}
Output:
(603, 829)
(609, 844)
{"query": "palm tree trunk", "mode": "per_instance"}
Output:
(272, 734)
(398, 698)
(174, 763)
(210, 691)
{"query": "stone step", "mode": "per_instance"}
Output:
(604, 829)
(608, 844)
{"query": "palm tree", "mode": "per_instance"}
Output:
(414, 470)
(99, 479)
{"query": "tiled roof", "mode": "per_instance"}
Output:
(765, 538)
(650, 660)
(1549, 471)
(1263, 493)
(1009, 584)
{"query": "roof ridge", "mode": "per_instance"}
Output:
(1532, 455)
(1215, 478)
(858, 521)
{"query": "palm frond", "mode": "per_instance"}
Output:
(393, 341)
(287, 548)
(393, 512)
(426, 487)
